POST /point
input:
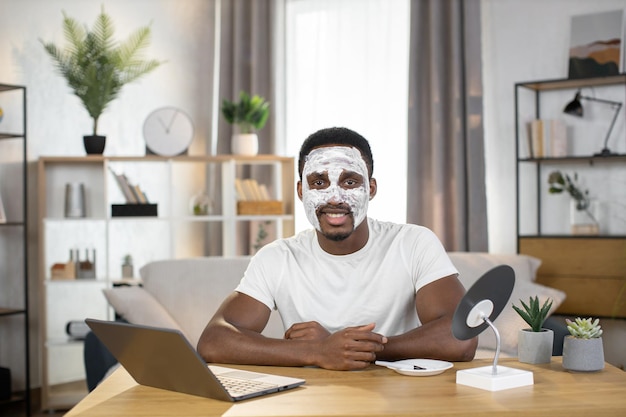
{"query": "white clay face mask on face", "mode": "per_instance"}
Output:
(335, 160)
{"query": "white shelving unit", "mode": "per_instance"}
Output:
(174, 233)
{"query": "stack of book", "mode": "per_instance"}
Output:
(547, 138)
(132, 192)
(254, 198)
(137, 203)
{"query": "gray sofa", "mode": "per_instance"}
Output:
(184, 294)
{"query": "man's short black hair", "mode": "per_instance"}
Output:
(336, 136)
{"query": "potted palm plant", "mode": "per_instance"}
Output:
(96, 67)
(534, 343)
(249, 114)
(582, 349)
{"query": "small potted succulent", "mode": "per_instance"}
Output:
(534, 343)
(127, 266)
(249, 114)
(583, 350)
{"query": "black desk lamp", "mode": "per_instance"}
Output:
(575, 108)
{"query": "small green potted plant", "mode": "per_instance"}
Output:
(534, 343)
(127, 266)
(96, 67)
(249, 114)
(582, 349)
(582, 219)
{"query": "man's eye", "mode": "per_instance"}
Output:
(318, 183)
(351, 183)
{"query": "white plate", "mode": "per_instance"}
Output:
(405, 367)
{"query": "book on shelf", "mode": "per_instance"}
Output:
(133, 194)
(547, 138)
(254, 198)
(251, 190)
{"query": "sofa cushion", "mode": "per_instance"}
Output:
(137, 306)
(191, 290)
(472, 265)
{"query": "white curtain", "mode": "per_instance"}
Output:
(347, 65)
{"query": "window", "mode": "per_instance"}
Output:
(347, 65)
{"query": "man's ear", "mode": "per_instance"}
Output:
(373, 187)
(299, 189)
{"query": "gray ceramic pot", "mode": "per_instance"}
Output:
(583, 355)
(535, 347)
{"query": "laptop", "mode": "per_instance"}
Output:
(163, 358)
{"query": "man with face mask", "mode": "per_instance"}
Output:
(350, 291)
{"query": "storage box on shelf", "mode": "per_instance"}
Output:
(14, 306)
(172, 229)
(581, 265)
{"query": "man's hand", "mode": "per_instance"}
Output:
(347, 349)
(310, 330)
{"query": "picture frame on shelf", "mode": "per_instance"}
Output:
(596, 45)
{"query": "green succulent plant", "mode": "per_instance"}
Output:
(250, 113)
(584, 328)
(532, 314)
(96, 66)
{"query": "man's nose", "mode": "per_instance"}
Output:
(334, 195)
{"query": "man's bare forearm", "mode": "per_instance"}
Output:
(433, 340)
(225, 343)
(347, 349)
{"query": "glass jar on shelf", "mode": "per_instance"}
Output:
(201, 204)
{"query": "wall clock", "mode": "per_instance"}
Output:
(168, 131)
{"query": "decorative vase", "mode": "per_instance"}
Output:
(94, 144)
(535, 347)
(585, 221)
(127, 270)
(245, 144)
(583, 355)
(200, 204)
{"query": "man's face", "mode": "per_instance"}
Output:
(335, 190)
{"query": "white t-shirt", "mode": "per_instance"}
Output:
(377, 284)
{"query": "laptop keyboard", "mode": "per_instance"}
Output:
(237, 387)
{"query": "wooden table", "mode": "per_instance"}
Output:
(378, 391)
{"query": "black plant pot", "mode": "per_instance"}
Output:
(94, 144)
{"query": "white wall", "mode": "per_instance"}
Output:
(523, 40)
(181, 33)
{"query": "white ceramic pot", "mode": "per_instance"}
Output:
(245, 144)
(583, 355)
(535, 347)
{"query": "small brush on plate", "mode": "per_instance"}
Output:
(404, 367)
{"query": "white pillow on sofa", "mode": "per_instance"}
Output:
(472, 265)
(138, 306)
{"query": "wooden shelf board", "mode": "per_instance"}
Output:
(564, 83)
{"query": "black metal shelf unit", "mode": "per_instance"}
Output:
(13, 234)
(537, 88)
